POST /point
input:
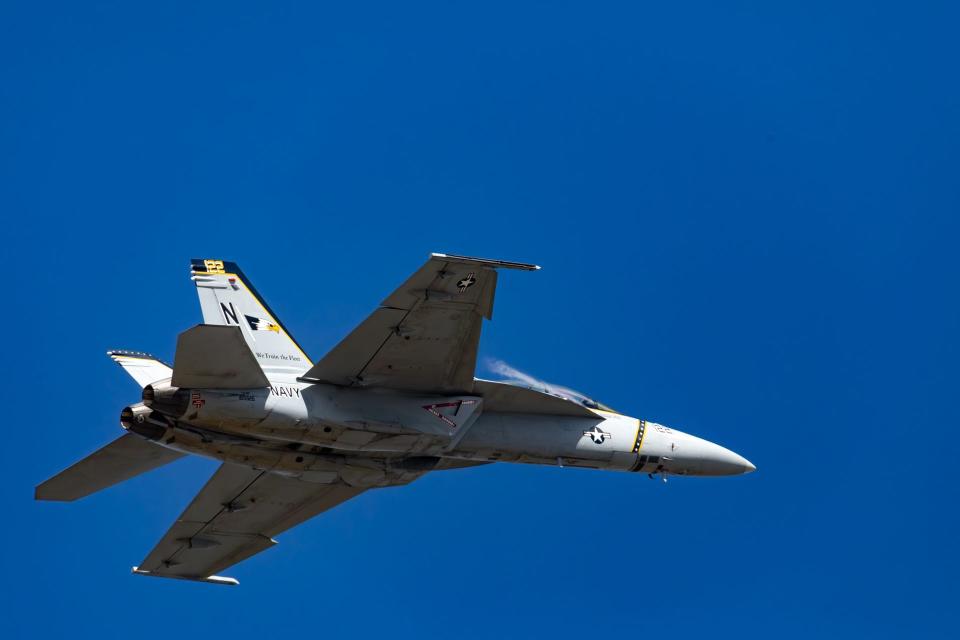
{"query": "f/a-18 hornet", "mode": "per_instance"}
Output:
(395, 399)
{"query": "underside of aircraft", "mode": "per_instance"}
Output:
(397, 398)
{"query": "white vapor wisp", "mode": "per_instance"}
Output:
(513, 375)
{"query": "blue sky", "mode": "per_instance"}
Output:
(747, 217)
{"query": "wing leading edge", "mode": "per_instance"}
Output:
(424, 336)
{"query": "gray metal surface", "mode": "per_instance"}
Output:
(508, 398)
(235, 516)
(424, 336)
(215, 357)
(124, 458)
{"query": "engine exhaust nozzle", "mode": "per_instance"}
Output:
(138, 419)
(168, 400)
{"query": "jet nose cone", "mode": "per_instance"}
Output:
(745, 465)
(723, 462)
(697, 456)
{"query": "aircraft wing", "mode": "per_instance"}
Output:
(424, 336)
(235, 516)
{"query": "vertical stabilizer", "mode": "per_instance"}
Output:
(227, 297)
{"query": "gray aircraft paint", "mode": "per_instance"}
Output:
(394, 400)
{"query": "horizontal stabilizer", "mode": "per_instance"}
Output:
(142, 367)
(124, 458)
(215, 357)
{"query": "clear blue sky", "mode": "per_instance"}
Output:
(747, 217)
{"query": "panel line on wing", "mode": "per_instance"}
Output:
(359, 376)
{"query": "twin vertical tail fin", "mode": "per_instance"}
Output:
(207, 356)
(228, 298)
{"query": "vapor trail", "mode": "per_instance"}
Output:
(513, 374)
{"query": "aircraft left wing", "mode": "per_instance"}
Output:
(235, 516)
(424, 336)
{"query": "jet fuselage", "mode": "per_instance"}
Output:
(331, 422)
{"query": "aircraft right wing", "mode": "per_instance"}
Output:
(235, 516)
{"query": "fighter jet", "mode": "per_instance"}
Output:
(394, 400)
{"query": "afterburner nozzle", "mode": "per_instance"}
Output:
(168, 400)
(138, 419)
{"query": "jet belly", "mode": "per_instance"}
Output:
(607, 442)
(320, 468)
